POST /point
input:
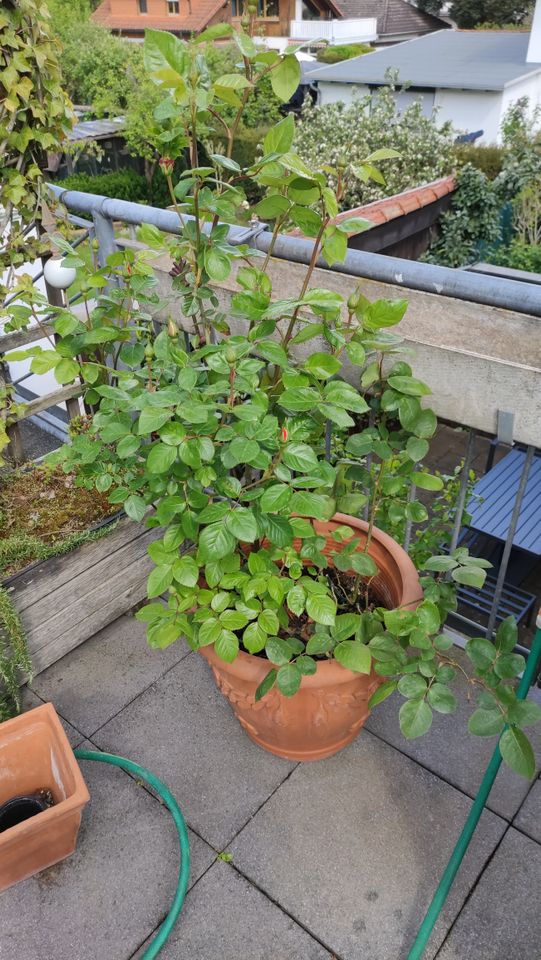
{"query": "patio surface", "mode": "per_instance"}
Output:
(336, 859)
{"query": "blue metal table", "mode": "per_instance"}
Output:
(498, 489)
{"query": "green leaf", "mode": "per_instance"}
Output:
(299, 456)
(384, 690)
(266, 685)
(268, 621)
(363, 564)
(217, 263)
(471, 576)
(441, 698)
(429, 616)
(186, 571)
(66, 370)
(516, 751)
(273, 352)
(321, 608)
(307, 220)
(486, 723)
(161, 458)
(507, 635)
(233, 619)
(481, 652)
(254, 638)
(127, 446)
(524, 713)
(277, 651)
(309, 504)
(509, 665)
(426, 481)
(296, 600)
(416, 449)
(163, 50)
(289, 679)
(275, 497)
(135, 507)
(280, 137)
(440, 563)
(319, 643)
(150, 612)
(163, 634)
(150, 420)
(409, 385)
(352, 225)
(215, 542)
(299, 399)
(353, 655)
(245, 44)
(272, 207)
(345, 625)
(227, 646)
(335, 246)
(277, 529)
(285, 79)
(415, 718)
(412, 686)
(322, 365)
(159, 580)
(242, 524)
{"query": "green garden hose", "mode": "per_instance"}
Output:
(167, 926)
(450, 872)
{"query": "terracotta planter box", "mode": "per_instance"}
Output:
(35, 755)
(65, 600)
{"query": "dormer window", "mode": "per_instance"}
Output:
(142, 6)
(173, 6)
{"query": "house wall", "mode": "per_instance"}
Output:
(529, 87)
(471, 110)
(333, 92)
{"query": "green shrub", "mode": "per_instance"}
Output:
(123, 185)
(519, 256)
(474, 218)
(345, 52)
(489, 159)
(345, 134)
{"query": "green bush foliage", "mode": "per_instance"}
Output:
(473, 218)
(343, 52)
(519, 256)
(124, 185)
(489, 159)
(342, 134)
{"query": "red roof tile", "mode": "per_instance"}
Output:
(382, 211)
(197, 15)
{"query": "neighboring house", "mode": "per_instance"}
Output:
(470, 77)
(279, 20)
(397, 20)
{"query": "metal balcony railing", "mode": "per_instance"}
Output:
(362, 30)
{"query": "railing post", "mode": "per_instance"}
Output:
(509, 542)
(56, 299)
(15, 448)
(461, 503)
(105, 236)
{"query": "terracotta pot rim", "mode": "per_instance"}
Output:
(329, 673)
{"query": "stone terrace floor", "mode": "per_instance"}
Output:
(336, 859)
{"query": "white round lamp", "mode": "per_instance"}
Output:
(57, 275)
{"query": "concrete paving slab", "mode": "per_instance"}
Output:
(92, 683)
(185, 731)
(103, 901)
(226, 918)
(502, 920)
(353, 848)
(528, 819)
(453, 753)
(31, 700)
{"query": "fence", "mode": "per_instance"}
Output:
(363, 30)
(477, 339)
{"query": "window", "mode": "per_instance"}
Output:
(266, 9)
(173, 6)
(142, 4)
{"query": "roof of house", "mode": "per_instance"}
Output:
(394, 17)
(194, 17)
(96, 129)
(399, 205)
(463, 60)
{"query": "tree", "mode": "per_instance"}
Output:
(472, 13)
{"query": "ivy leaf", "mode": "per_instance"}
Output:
(321, 608)
(289, 679)
(415, 718)
(353, 655)
(516, 751)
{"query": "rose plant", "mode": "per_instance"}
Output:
(243, 449)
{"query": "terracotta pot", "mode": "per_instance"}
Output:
(35, 755)
(332, 705)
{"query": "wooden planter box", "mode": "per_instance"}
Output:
(65, 600)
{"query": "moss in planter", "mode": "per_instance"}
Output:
(43, 513)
